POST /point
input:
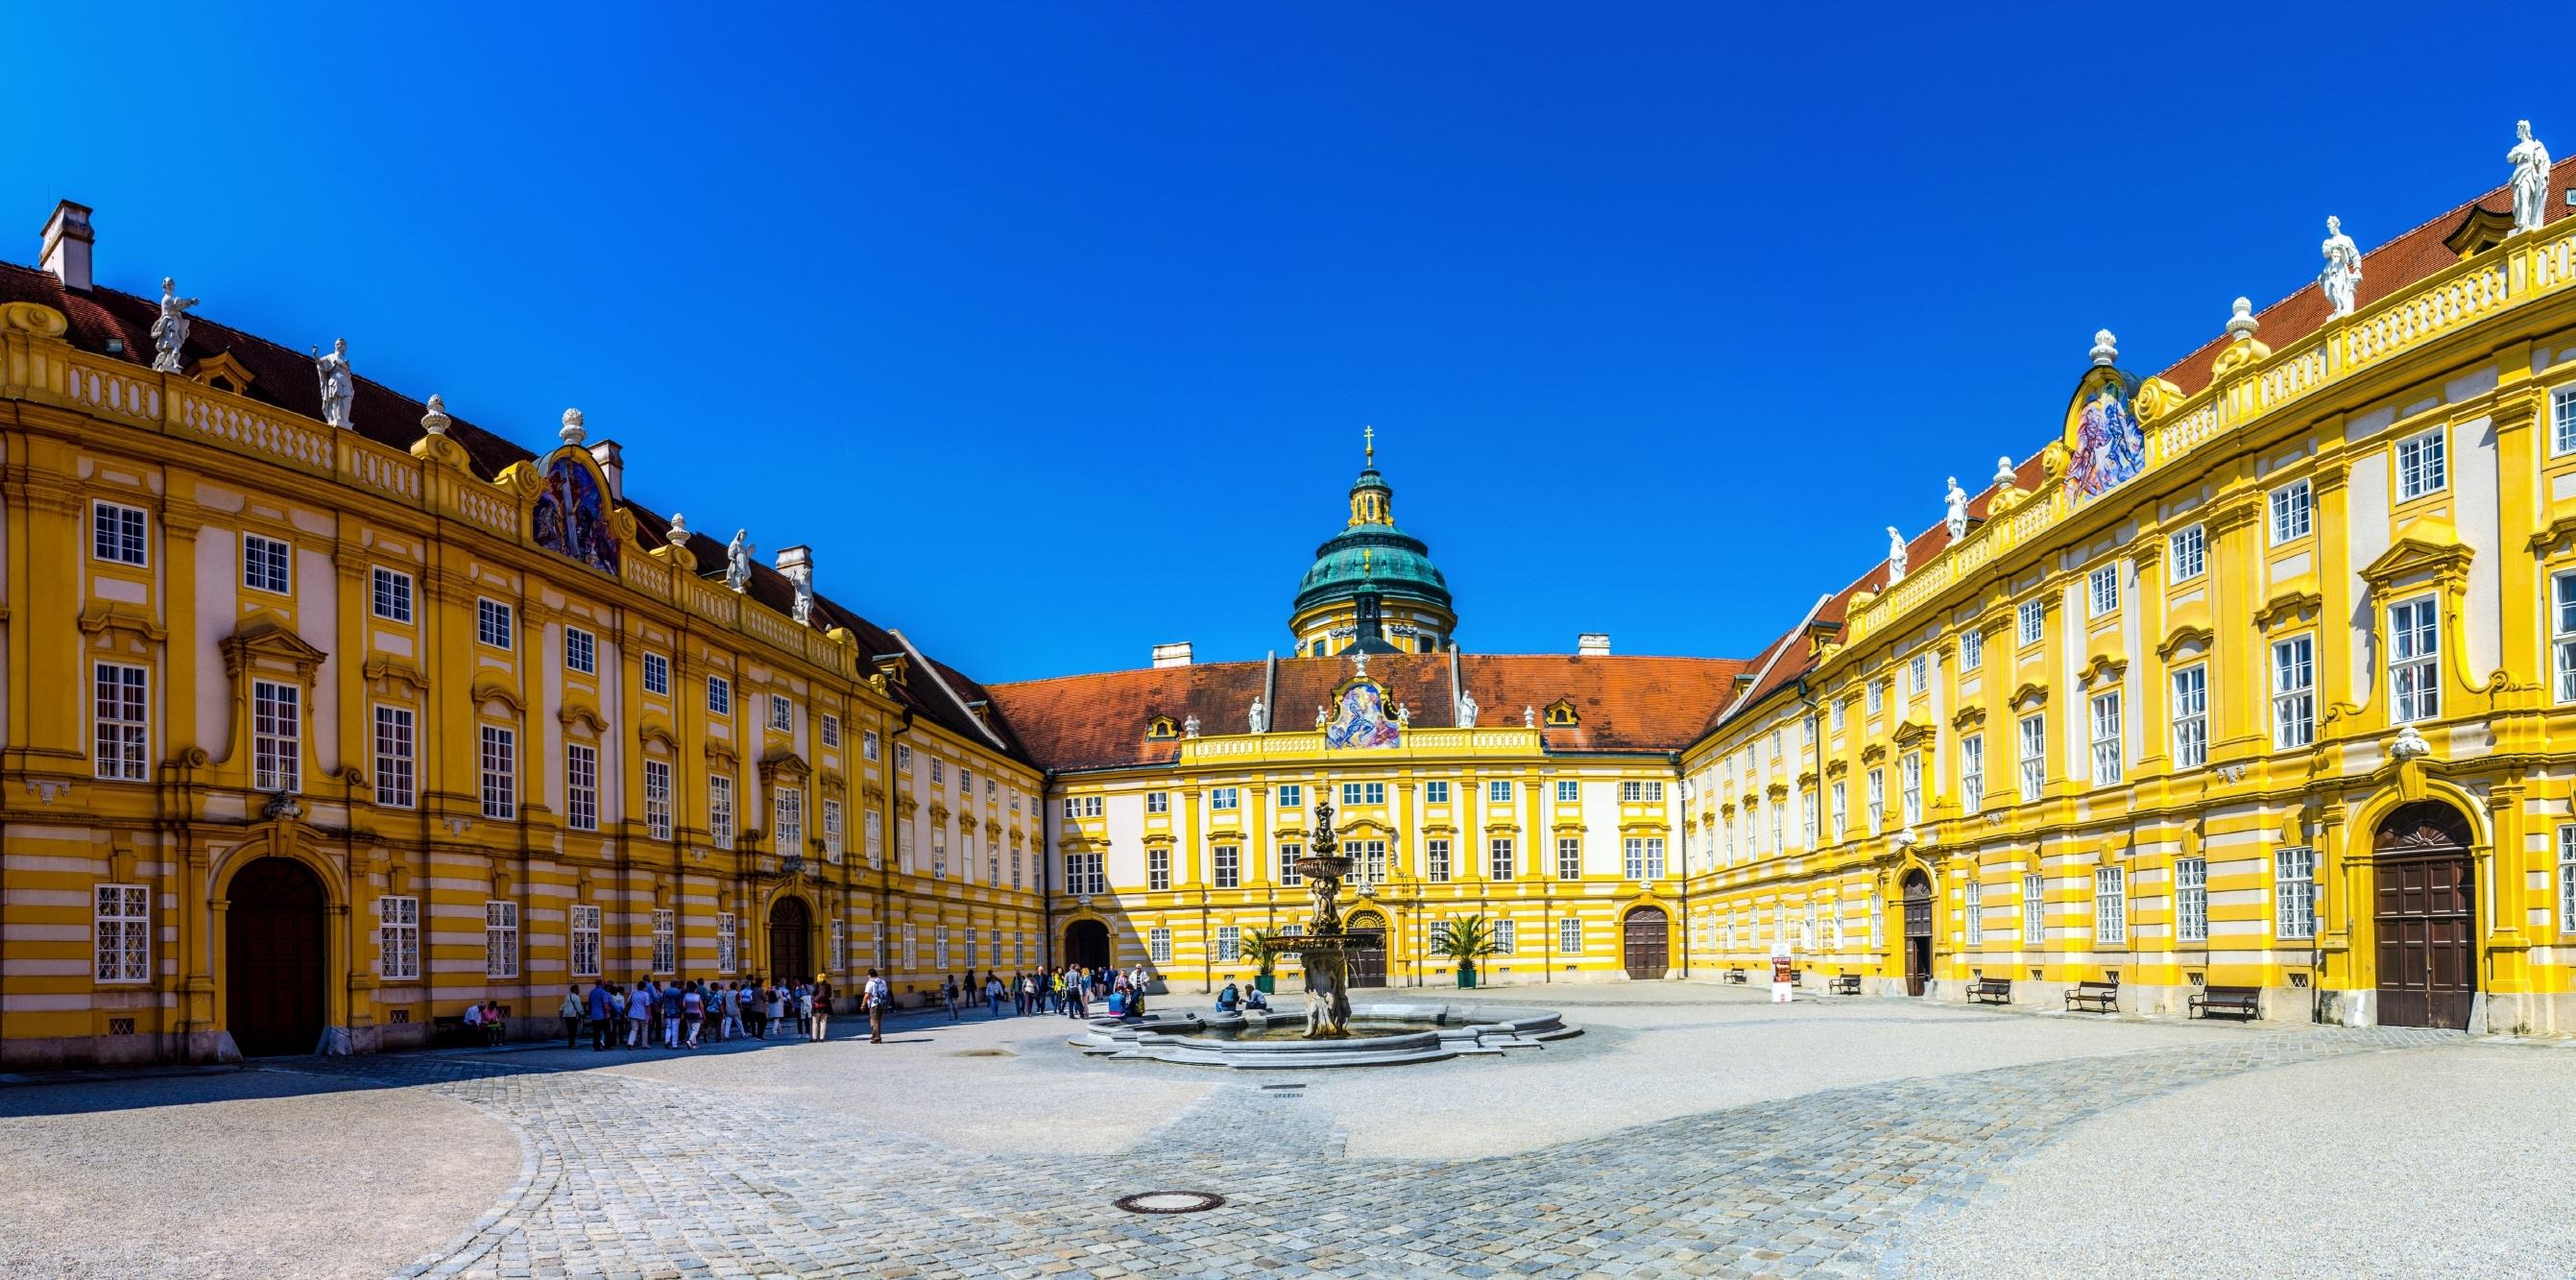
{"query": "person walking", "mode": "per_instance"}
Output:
(670, 1012)
(992, 996)
(570, 1012)
(872, 1001)
(822, 1008)
(693, 1015)
(777, 1007)
(597, 1007)
(948, 993)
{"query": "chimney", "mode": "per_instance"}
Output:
(1592, 644)
(612, 464)
(1172, 655)
(67, 242)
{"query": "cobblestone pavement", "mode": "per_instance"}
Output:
(634, 1176)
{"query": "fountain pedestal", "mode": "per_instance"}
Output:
(1327, 964)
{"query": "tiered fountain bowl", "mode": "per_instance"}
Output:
(1382, 1033)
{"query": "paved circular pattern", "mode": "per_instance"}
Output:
(1170, 1202)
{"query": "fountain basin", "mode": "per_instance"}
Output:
(1383, 1033)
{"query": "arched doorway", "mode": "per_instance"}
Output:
(1086, 943)
(1645, 937)
(2426, 917)
(1367, 949)
(791, 941)
(273, 958)
(1918, 932)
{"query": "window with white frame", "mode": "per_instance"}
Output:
(1841, 812)
(1498, 791)
(1972, 907)
(116, 534)
(2102, 589)
(394, 747)
(2034, 910)
(657, 799)
(1433, 792)
(1645, 857)
(1833, 924)
(2191, 716)
(2292, 511)
(902, 758)
(585, 940)
(2421, 466)
(398, 937)
(1640, 791)
(1158, 944)
(581, 786)
(1082, 806)
(1158, 868)
(719, 696)
(1506, 937)
(1877, 800)
(1568, 791)
(500, 772)
(657, 674)
(122, 935)
(840, 945)
(1289, 873)
(939, 853)
(1972, 650)
(1778, 816)
(2562, 420)
(1806, 818)
(2106, 739)
(1972, 772)
(1158, 802)
(1293, 795)
(1569, 857)
(1569, 936)
(868, 744)
(1082, 874)
(1229, 943)
(1435, 861)
(500, 939)
(581, 651)
(2567, 879)
(787, 811)
(720, 811)
(1229, 866)
(832, 829)
(391, 596)
(1841, 712)
(1877, 921)
(2110, 905)
(2414, 653)
(1225, 799)
(268, 564)
(276, 736)
(939, 945)
(121, 728)
(782, 713)
(1910, 775)
(666, 942)
(2294, 692)
(2294, 892)
(2187, 553)
(873, 828)
(1877, 696)
(2029, 619)
(1498, 858)
(2191, 899)
(831, 731)
(724, 942)
(2034, 755)
(493, 624)
(2562, 633)
(938, 771)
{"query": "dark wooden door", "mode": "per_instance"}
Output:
(273, 957)
(1645, 938)
(1086, 943)
(2425, 919)
(791, 941)
(1367, 951)
(1918, 932)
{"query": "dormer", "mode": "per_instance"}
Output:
(2482, 229)
(1560, 714)
(895, 667)
(1161, 729)
(221, 372)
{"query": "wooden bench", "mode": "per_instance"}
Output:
(2244, 1002)
(1843, 984)
(1735, 976)
(453, 1030)
(1991, 990)
(2103, 997)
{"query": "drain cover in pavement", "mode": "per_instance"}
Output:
(1171, 1202)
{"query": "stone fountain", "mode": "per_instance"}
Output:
(1324, 946)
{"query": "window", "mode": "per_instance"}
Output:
(1972, 772)
(868, 745)
(1569, 936)
(2034, 756)
(1158, 868)
(1841, 809)
(2294, 892)
(1912, 777)
(1972, 905)
(720, 811)
(1506, 937)
(938, 772)
(1223, 799)
(720, 697)
(2191, 717)
(581, 787)
(2420, 466)
(398, 937)
(1918, 675)
(500, 939)
(1082, 806)
(2414, 650)
(2187, 554)
(2562, 420)
(1877, 800)
(2291, 511)
(2034, 910)
(2191, 899)
(1642, 792)
(832, 830)
(1358, 793)
(2294, 692)
(1158, 944)
(392, 595)
(875, 836)
(657, 674)
(666, 950)
(2562, 633)
(267, 564)
(1435, 861)
(122, 733)
(1373, 861)
(581, 651)
(117, 533)
(1158, 802)
(1568, 791)
(500, 773)
(2567, 879)
(1083, 876)
(1498, 792)
(724, 942)
(1877, 920)
(123, 943)
(1841, 711)
(1229, 866)
(1498, 858)
(2028, 619)
(2103, 589)
(1877, 696)
(657, 798)
(939, 853)
(1806, 819)
(1644, 857)
(585, 941)
(2106, 739)
(902, 758)
(2110, 905)
(1972, 653)
(831, 731)
(1229, 943)
(1293, 795)
(840, 945)
(492, 623)
(787, 810)
(276, 736)
(782, 714)
(1289, 872)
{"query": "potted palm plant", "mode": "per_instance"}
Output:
(1465, 940)
(1260, 946)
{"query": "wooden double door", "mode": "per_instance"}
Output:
(1366, 951)
(1646, 942)
(791, 941)
(274, 954)
(2425, 918)
(1918, 932)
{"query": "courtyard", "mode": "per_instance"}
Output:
(1693, 1129)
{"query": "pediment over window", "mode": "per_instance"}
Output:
(270, 645)
(1162, 727)
(1969, 718)
(580, 711)
(786, 765)
(2186, 637)
(101, 619)
(492, 689)
(2297, 598)
(1873, 753)
(2423, 549)
(2103, 666)
(1837, 768)
(2480, 229)
(2031, 694)
(653, 728)
(1911, 732)
(386, 666)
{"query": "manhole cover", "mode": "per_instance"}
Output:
(1171, 1202)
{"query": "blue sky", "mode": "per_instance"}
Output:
(1053, 328)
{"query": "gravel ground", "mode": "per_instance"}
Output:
(2450, 1161)
(253, 1174)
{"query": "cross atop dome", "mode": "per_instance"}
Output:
(1368, 438)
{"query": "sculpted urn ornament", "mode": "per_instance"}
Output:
(2342, 277)
(1260, 715)
(339, 385)
(1529, 717)
(170, 331)
(738, 560)
(2530, 162)
(678, 537)
(435, 422)
(1955, 518)
(1190, 727)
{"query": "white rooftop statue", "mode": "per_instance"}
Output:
(1955, 518)
(2342, 277)
(1466, 710)
(1260, 715)
(738, 560)
(1895, 556)
(170, 331)
(2530, 162)
(339, 385)
(1190, 727)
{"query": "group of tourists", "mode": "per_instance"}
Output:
(689, 1014)
(1073, 990)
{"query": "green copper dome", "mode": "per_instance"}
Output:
(1371, 553)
